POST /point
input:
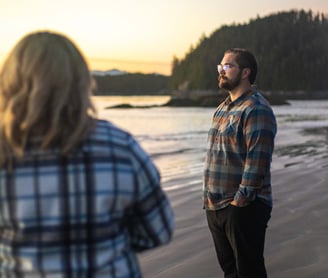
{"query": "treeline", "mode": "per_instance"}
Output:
(291, 49)
(131, 84)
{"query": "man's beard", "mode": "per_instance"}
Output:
(229, 85)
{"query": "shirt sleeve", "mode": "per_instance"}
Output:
(259, 131)
(152, 218)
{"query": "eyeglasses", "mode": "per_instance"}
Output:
(225, 67)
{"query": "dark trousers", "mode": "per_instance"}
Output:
(239, 234)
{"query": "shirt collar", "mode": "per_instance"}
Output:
(239, 100)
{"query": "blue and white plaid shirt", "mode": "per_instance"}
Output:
(85, 215)
(239, 152)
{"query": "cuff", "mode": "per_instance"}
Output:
(245, 195)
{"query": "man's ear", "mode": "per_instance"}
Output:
(246, 72)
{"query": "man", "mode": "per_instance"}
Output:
(237, 183)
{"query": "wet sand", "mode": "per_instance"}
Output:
(297, 236)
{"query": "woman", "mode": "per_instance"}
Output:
(78, 196)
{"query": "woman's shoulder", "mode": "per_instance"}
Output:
(105, 128)
(107, 134)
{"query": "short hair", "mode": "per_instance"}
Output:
(45, 89)
(245, 59)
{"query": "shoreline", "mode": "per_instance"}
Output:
(206, 98)
(297, 231)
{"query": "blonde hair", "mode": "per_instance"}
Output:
(45, 89)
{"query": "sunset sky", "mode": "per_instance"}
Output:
(134, 35)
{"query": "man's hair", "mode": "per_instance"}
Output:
(245, 59)
(45, 89)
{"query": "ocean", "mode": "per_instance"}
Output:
(176, 137)
(176, 140)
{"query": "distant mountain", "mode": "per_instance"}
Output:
(112, 72)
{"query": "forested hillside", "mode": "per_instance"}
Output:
(291, 49)
(131, 84)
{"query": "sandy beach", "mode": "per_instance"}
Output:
(297, 237)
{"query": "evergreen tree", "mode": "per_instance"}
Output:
(291, 49)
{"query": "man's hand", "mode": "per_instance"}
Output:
(234, 203)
